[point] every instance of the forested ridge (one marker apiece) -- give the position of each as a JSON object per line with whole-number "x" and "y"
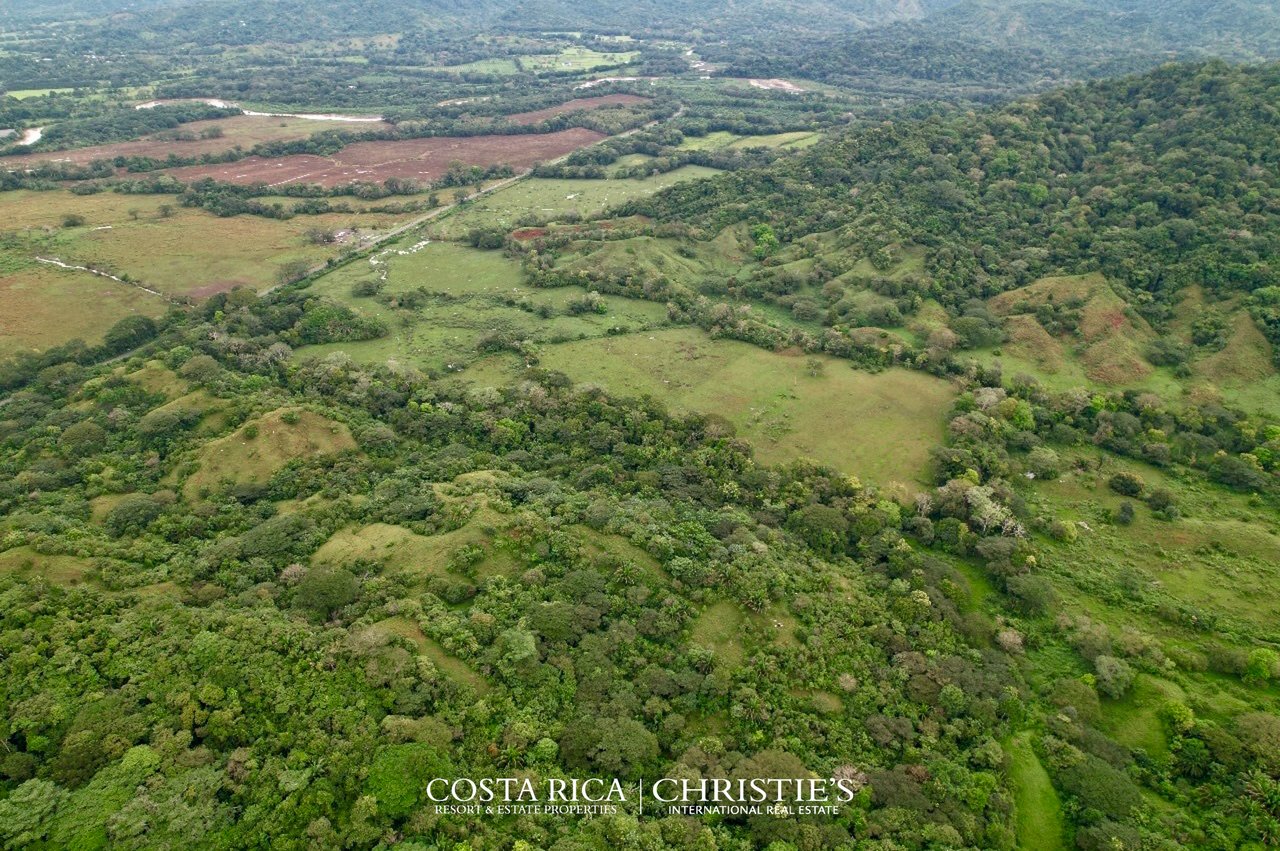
{"x": 1159, "y": 181}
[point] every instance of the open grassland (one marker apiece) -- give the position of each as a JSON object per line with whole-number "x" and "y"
{"x": 538, "y": 199}
{"x": 26, "y": 94}
{"x": 879, "y": 427}
{"x": 576, "y": 104}
{"x": 441, "y": 299}
{"x": 724, "y": 139}
{"x": 1221, "y": 557}
{"x": 568, "y": 60}
{"x": 1039, "y": 812}
{"x": 148, "y": 239}
{"x": 1109, "y": 348}
{"x": 256, "y": 450}
{"x": 43, "y": 306}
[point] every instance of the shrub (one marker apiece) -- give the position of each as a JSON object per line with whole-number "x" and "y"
{"x": 1127, "y": 484}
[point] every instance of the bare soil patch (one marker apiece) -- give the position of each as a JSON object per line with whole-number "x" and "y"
{"x": 414, "y": 159}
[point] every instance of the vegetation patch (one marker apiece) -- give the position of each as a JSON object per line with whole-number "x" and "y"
{"x": 254, "y": 452}
{"x": 876, "y": 426}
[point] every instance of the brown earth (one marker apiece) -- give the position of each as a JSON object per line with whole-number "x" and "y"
{"x": 576, "y": 104}
{"x": 414, "y": 159}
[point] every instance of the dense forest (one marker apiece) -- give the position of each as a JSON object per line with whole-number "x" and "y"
{"x": 1160, "y": 182}
{"x": 978, "y": 49}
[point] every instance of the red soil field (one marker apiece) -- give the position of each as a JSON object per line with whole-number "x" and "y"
{"x": 414, "y": 159}
{"x": 577, "y": 103}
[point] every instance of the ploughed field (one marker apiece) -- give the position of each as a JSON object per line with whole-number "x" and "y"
{"x": 414, "y": 159}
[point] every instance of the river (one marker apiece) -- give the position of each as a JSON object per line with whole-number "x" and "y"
{"x": 312, "y": 116}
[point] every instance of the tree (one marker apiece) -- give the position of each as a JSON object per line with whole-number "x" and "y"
{"x": 1114, "y": 676}
{"x": 129, "y": 333}
{"x": 292, "y": 272}
{"x": 326, "y": 589}
{"x": 399, "y": 776}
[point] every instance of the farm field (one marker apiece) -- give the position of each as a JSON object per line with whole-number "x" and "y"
{"x": 148, "y": 238}
{"x": 719, "y": 139}
{"x": 42, "y": 306}
{"x": 568, "y": 60}
{"x": 414, "y": 159}
{"x": 876, "y": 426}
{"x": 542, "y": 199}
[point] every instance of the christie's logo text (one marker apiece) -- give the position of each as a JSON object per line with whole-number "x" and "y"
{"x": 598, "y": 796}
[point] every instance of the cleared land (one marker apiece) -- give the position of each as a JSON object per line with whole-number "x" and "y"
{"x": 254, "y": 452}
{"x": 574, "y": 105}
{"x": 414, "y": 159}
{"x": 42, "y": 306}
{"x": 879, "y": 427}
{"x": 1039, "y": 815}
{"x": 175, "y": 250}
{"x": 541, "y": 200}
{"x": 440, "y": 299}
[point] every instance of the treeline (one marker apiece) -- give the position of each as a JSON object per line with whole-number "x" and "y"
{"x": 118, "y": 124}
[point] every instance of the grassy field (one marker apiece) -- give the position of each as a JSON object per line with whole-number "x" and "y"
{"x": 569, "y": 59}
{"x": 1221, "y": 557}
{"x": 543, "y": 200}
{"x": 1109, "y": 349}
{"x": 467, "y": 294}
{"x": 24, "y": 94}
{"x": 1039, "y": 812}
{"x": 719, "y": 629}
{"x": 879, "y": 427}
{"x": 254, "y": 452}
{"x": 43, "y": 306}
{"x": 724, "y": 139}
{"x": 187, "y": 252}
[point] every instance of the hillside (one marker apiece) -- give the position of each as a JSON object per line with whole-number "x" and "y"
{"x": 979, "y": 49}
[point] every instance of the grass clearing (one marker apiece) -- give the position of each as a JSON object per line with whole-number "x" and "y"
{"x": 1221, "y": 558}
{"x": 259, "y": 448}
{"x": 543, "y": 199}
{"x": 1134, "y": 720}
{"x": 147, "y": 238}
{"x": 876, "y": 426}
{"x": 719, "y": 629}
{"x": 1038, "y": 821}
{"x": 43, "y": 306}
{"x": 466, "y": 294}
{"x": 58, "y": 569}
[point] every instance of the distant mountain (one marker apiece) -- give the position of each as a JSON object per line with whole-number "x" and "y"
{"x": 237, "y": 20}
{"x": 978, "y": 47}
